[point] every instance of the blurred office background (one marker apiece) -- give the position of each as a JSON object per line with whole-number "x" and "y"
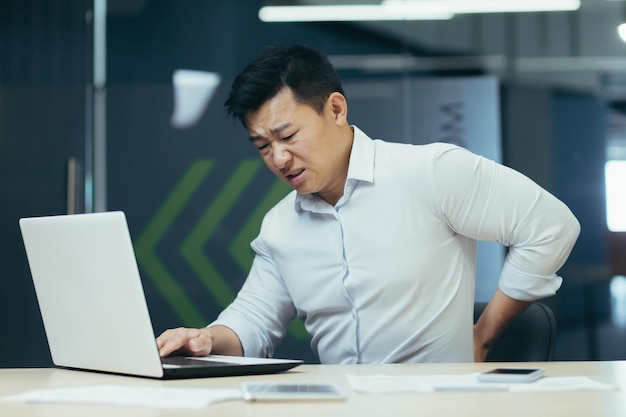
{"x": 118, "y": 105}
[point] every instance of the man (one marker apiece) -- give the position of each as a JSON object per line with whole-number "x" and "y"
{"x": 375, "y": 249}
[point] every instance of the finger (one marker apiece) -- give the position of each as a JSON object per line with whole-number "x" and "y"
{"x": 164, "y": 339}
{"x": 172, "y": 340}
{"x": 166, "y": 349}
{"x": 161, "y": 340}
{"x": 200, "y": 344}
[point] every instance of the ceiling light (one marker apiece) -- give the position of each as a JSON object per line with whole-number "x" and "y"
{"x": 339, "y": 13}
{"x": 408, "y": 10}
{"x": 621, "y": 30}
{"x": 487, "y": 6}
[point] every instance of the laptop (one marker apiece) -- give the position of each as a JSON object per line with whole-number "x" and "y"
{"x": 93, "y": 305}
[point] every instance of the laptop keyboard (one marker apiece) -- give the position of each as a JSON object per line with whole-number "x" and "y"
{"x": 179, "y": 361}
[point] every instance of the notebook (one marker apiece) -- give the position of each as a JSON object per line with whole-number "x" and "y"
{"x": 93, "y": 305}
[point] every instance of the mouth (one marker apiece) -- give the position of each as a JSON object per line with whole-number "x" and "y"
{"x": 294, "y": 176}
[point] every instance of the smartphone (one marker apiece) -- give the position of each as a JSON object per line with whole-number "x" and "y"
{"x": 274, "y": 391}
{"x": 511, "y": 375}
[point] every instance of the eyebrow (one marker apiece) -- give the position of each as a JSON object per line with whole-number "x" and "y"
{"x": 274, "y": 130}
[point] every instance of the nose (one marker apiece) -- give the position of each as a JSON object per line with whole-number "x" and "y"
{"x": 280, "y": 156}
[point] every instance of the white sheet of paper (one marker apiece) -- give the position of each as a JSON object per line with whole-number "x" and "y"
{"x": 387, "y": 384}
{"x": 160, "y": 397}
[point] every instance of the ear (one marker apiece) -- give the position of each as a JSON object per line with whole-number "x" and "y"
{"x": 338, "y": 107}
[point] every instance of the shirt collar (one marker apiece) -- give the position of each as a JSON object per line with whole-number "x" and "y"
{"x": 360, "y": 168}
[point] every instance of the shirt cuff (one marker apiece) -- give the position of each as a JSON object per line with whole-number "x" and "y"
{"x": 527, "y": 287}
{"x": 250, "y": 341}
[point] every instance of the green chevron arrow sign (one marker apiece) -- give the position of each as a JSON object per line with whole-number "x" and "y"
{"x": 202, "y": 231}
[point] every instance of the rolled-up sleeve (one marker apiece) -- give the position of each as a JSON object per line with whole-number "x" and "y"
{"x": 484, "y": 200}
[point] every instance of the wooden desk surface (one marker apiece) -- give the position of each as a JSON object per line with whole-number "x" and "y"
{"x": 484, "y": 404}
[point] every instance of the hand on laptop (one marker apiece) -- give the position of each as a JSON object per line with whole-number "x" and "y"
{"x": 199, "y": 342}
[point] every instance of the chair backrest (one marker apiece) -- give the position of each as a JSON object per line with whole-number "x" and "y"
{"x": 530, "y": 337}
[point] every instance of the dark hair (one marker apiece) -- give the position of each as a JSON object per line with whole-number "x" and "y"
{"x": 308, "y": 73}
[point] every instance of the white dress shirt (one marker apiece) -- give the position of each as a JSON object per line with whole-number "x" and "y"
{"x": 388, "y": 273}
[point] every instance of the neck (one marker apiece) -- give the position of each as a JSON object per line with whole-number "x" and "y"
{"x": 347, "y": 139}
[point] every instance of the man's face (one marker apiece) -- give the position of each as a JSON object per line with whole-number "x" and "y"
{"x": 307, "y": 150}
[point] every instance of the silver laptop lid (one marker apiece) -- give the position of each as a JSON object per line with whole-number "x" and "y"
{"x": 90, "y": 294}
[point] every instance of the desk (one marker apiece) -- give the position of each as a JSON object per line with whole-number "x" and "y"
{"x": 553, "y": 404}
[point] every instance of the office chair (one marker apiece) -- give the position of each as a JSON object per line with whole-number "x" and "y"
{"x": 530, "y": 337}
